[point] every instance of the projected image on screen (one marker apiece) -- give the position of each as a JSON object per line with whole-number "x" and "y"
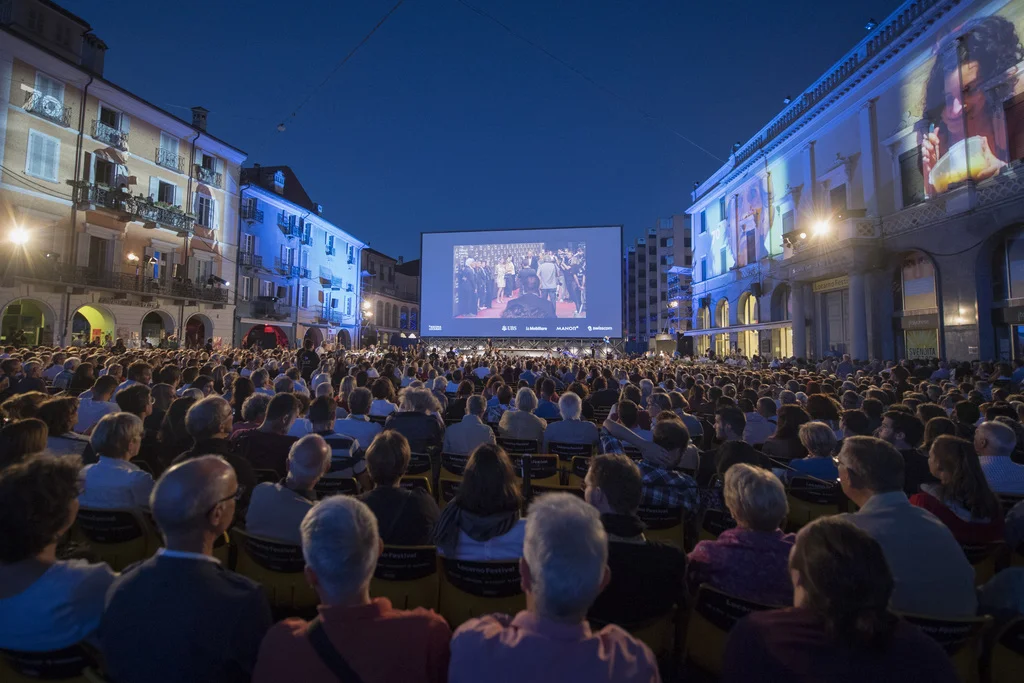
{"x": 520, "y": 281}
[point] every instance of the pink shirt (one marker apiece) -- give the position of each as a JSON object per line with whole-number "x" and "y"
{"x": 499, "y": 648}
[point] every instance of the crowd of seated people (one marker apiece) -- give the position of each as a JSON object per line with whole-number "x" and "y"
{"x": 928, "y": 465}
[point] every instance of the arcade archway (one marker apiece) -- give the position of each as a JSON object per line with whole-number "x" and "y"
{"x": 26, "y": 322}
{"x": 344, "y": 339}
{"x": 315, "y": 335}
{"x": 198, "y": 328}
{"x": 92, "y": 324}
{"x": 265, "y": 337}
{"x": 156, "y": 327}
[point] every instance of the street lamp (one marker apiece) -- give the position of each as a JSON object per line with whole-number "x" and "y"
{"x": 19, "y": 236}
{"x": 821, "y": 227}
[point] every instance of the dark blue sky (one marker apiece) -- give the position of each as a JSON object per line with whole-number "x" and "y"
{"x": 443, "y": 121}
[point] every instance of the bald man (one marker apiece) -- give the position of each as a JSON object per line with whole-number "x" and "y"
{"x": 180, "y": 616}
{"x": 276, "y": 509}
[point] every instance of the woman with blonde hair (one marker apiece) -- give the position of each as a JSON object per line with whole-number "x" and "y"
{"x": 820, "y": 441}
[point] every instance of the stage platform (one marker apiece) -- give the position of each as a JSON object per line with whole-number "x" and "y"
{"x": 528, "y": 347}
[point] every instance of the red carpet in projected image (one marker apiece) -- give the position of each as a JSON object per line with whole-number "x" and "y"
{"x": 563, "y": 309}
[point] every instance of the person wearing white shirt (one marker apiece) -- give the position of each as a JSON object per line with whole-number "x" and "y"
{"x": 357, "y": 425}
{"x": 761, "y": 424}
{"x": 383, "y": 391}
{"x": 50, "y": 373}
{"x": 114, "y": 482}
{"x": 90, "y": 410}
{"x": 994, "y": 442}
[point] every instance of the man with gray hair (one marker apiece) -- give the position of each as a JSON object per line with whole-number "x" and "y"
{"x": 276, "y": 510}
{"x": 571, "y": 428}
{"x": 341, "y": 544}
{"x": 208, "y": 422}
{"x": 564, "y": 568}
{"x": 260, "y": 378}
{"x": 994, "y": 443}
{"x": 465, "y": 436}
{"x": 180, "y": 616}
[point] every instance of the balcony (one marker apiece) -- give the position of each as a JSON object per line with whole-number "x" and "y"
{"x": 138, "y": 208}
{"x": 207, "y": 176}
{"x": 336, "y": 283}
{"x": 331, "y": 250}
{"x": 329, "y": 316}
{"x": 103, "y": 278}
{"x": 325, "y": 276}
{"x": 284, "y": 268}
{"x": 109, "y": 135}
{"x": 305, "y": 273}
{"x": 306, "y": 239}
{"x": 48, "y": 107}
{"x": 251, "y": 213}
{"x": 169, "y": 158}
{"x": 266, "y": 308}
{"x": 287, "y": 224}
{"x": 247, "y": 260}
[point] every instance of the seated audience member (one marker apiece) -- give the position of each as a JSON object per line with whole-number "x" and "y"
{"x": 470, "y": 432}
{"x": 45, "y": 603}
{"x": 341, "y": 545}
{"x": 571, "y": 428}
{"x": 173, "y": 439}
{"x": 504, "y": 396}
{"x": 254, "y": 410}
{"x": 114, "y": 482}
{"x": 22, "y": 406}
{"x": 994, "y": 442}
{"x": 962, "y": 499}
{"x": 163, "y": 396}
{"x": 840, "y": 627}
{"x": 1003, "y": 595}
{"x": 904, "y": 432}
{"x": 266, "y": 447}
{"x": 180, "y": 616}
{"x": 628, "y": 415}
{"x": 933, "y": 429}
{"x": 383, "y": 398}
{"x": 61, "y": 415}
{"x": 242, "y": 389}
{"x": 457, "y": 405}
{"x": 138, "y": 373}
{"x": 761, "y": 425}
{"x": 932, "y": 574}
{"x": 418, "y": 419}
{"x": 854, "y": 422}
{"x": 346, "y": 452}
{"x": 136, "y": 399}
{"x": 663, "y": 485}
{"x": 357, "y": 424}
{"x": 302, "y": 425}
{"x": 647, "y": 577}
{"x": 276, "y": 510}
{"x": 482, "y": 522}
{"x": 521, "y": 423}
{"x": 785, "y": 444}
{"x": 819, "y": 440}
{"x": 546, "y": 408}
{"x": 748, "y": 561}
{"x": 564, "y": 568}
{"x": 209, "y": 424}
{"x": 90, "y": 410}
{"x": 22, "y": 439}
{"x": 404, "y": 516}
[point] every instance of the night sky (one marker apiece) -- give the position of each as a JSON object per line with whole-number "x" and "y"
{"x": 444, "y": 121}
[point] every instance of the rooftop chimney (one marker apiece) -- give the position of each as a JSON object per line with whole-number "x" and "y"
{"x": 199, "y": 118}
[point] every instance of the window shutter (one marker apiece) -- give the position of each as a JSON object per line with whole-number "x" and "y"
{"x": 215, "y": 219}
{"x": 154, "y": 187}
{"x": 87, "y": 167}
{"x": 126, "y": 124}
{"x": 177, "y": 196}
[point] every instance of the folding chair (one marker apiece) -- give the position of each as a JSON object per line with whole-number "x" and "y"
{"x": 811, "y": 498}
{"x": 519, "y": 446}
{"x": 1006, "y": 664}
{"x": 450, "y": 477}
{"x": 567, "y": 451}
{"x": 714, "y": 522}
{"x": 407, "y": 576}
{"x": 578, "y": 469}
{"x": 470, "y": 589}
{"x": 551, "y": 420}
{"x": 600, "y": 415}
{"x": 960, "y": 638}
{"x": 378, "y": 419}
{"x": 278, "y": 567}
{"x": 416, "y": 482}
{"x": 663, "y": 523}
{"x": 419, "y": 463}
{"x": 68, "y": 664}
{"x": 984, "y": 557}
{"x": 333, "y": 486}
{"x": 713, "y": 615}
{"x": 118, "y": 537}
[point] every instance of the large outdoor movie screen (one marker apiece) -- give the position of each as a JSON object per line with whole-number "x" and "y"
{"x": 550, "y": 282}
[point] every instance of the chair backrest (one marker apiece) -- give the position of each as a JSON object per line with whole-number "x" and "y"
{"x": 633, "y": 452}
{"x": 379, "y": 419}
{"x": 419, "y": 463}
{"x": 519, "y": 446}
{"x": 416, "y": 482}
{"x": 454, "y": 463}
{"x": 960, "y": 639}
{"x": 601, "y": 414}
{"x": 344, "y": 462}
{"x": 664, "y": 523}
{"x": 1007, "y": 661}
{"x": 407, "y": 576}
{"x": 713, "y": 616}
{"x": 333, "y": 486}
{"x": 267, "y": 476}
{"x": 714, "y": 522}
{"x": 1008, "y": 500}
{"x": 66, "y": 665}
{"x": 984, "y": 558}
{"x": 811, "y": 498}
{"x": 567, "y": 451}
{"x": 118, "y": 537}
{"x": 470, "y": 589}
{"x": 449, "y": 421}
{"x": 278, "y": 567}
{"x": 540, "y": 466}
{"x": 450, "y": 477}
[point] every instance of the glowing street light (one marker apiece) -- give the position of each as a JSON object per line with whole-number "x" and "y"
{"x": 821, "y": 227}
{"x": 803, "y": 235}
{"x": 132, "y": 256}
{"x": 366, "y": 305}
{"x": 673, "y": 304}
{"x": 19, "y": 236}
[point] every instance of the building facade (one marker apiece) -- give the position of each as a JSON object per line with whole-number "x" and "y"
{"x": 298, "y": 273}
{"x": 656, "y": 283}
{"x": 116, "y": 217}
{"x": 881, "y": 212}
{"x": 391, "y": 297}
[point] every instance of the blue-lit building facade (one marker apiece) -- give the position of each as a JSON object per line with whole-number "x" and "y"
{"x": 298, "y": 273}
{"x": 881, "y": 212}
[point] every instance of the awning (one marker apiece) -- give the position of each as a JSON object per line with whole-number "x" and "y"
{"x": 199, "y": 244}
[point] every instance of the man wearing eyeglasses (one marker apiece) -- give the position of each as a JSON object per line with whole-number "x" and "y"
{"x": 180, "y": 615}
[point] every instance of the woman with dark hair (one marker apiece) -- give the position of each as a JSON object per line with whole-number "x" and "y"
{"x": 823, "y": 408}
{"x": 457, "y": 406}
{"x": 840, "y": 627}
{"x": 83, "y": 378}
{"x": 172, "y": 438}
{"x": 60, "y": 415}
{"x": 962, "y": 499}
{"x": 22, "y": 439}
{"x": 785, "y": 443}
{"x": 934, "y": 428}
{"x": 383, "y": 397}
{"x": 242, "y": 389}
{"x": 46, "y": 604}
{"x": 482, "y": 522}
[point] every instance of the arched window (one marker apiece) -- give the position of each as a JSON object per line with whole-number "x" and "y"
{"x": 722, "y": 314}
{"x": 748, "y": 309}
{"x": 403, "y": 321}
{"x": 381, "y": 320}
{"x": 414, "y": 319}
{"x": 704, "y": 318}
{"x": 394, "y": 316}
{"x": 780, "y": 303}
{"x": 387, "y": 315}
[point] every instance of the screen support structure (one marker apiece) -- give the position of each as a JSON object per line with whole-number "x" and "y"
{"x": 525, "y": 344}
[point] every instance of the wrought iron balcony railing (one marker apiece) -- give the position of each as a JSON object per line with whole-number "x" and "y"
{"x": 330, "y": 316}
{"x": 305, "y": 274}
{"x": 135, "y": 208}
{"x": 169, "y": 158}
{"x": 286, "y": 269}
{"x": 127, "y": 281}
{"x": 109, "y": 135}
{"x": 306, "y": 239}
{"x": 251, "y": 213}
{"x": 266, "y": 308}
{"x": 331, "y": 250}
{"x": 247, "y": 260}
{"x": 48, "y": 107}
{"x": 208, "y": 176}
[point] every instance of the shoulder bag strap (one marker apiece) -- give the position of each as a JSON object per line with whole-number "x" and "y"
{"x": 328, "y": 654}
